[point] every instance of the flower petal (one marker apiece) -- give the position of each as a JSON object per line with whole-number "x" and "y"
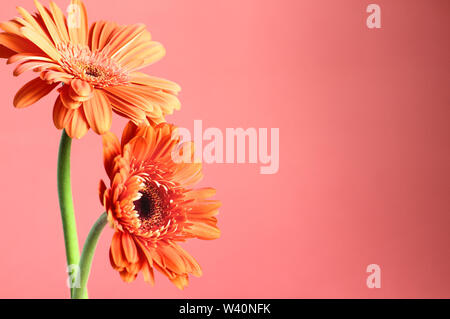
{"x": 77, "y": 126}
{"x": 125, "y": 107}
{"x": 143, "y": 56}
{"x": 154, "y": 82}
{"x": 129, "y": 248}
{"x": 60, "y": 21}
{"x": 111, "y": 148}
{"x": 67, "y": 99}
{"x": 17, "y": 43}
{"x": 43, "y": 42}
{"x": 204, "y": 231}
{"x": 6, "y": 53}
{"x": 101, "y": 191}
{"x": 32, "y": 92}
{"x": 77, "y": 22}
{"x": 61, "y": 114}
{"x": 98, "y": 112}
{"x": 116, "y": 251}
{"x": 81, "y": 90}
{"x": 48, "y": 21}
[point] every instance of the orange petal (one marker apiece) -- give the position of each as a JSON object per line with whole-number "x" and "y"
{"x": 17, "y": 43}
{"x": 151, "y": 53}
{"x": 128, "y": 133}
{"x": 204, "y": 231}
{"x": 49, "y": 23}
{"x": 51, "y": 76}
{"x": 127, "y": 276}
{"x": 129, "y": 248}
{"x": 32, "y": 92}
{"x": 98, "y": 112}
{"x": 101, "y": 191}
{"x": 61, "y": 114}
{"x": 147, "y": 272}
{"x": 34, "y": 23}
{"x": 78, "y": 125}
{"x": 131, "y": 94}
{"x": 43, "y": 42}
{"x": 94, "y": 34}
{"x": 172, "y": 259}
{"x": 67, "y": 99}
{"x": 28, "y": 56}
{"x": 81, "y": 90}
{"x": 154, "y": 82}
{"x": 111, "y": 148}
{"x": 201, "y": 193}
{"x": 6, "y": 53}
{"x": 60, "y": 21}
{"x": 101, "y": 33}
{"x": 33, "y": 65}
{"x": 126, "y": 108}
{"x": 125, "y": 38}
{"x": 190, "y": 262}
{"x": 180, "y": 281}
{"x": 116, "y": 250}
{"x": 11, "y": 26}
{"x": 77, "y": 22}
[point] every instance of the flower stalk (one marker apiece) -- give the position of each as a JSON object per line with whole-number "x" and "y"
{"x": 87, "y": 255}
{"x": 66, "y": 201}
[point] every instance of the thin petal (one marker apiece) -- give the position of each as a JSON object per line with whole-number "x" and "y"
{"x": 81, "y": 90}
{"x": 67, "y": 99}
{"x": 147, "y": 272}
{"x": 32, "y": 92}
{"x": 98, "y": 112}
{"x": 111, "y": 148}
{"x": 6, "y": 53}
{"x": 17, "y": 43}
{"x": 78, "y": 125}
{"x": 61, "y": 114}
{"x": 125, "y": 107}
{"x": 77, "y": 22}
{"x": 129, "y": 248}
{"x": 42, "y": 42}
{"x": 33, "y": 65}
{"x": 101, "y": 191}
{"x": 204, "y": 231}
{"x": 51, "y": 76}
{"x": 49, "y": 23}
{"x": 172, "y": 259}
{"x": 154, "y": 82}
{"x": 147, "y": 55}
{"x": 116, "y": 250}
{"x": 60, "y": 21}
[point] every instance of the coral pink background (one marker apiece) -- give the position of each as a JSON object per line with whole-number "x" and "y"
{"x": 364, "y": 152}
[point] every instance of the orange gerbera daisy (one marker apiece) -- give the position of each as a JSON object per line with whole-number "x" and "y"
{"x": 98, "y": 67}
{"x": 151, "y": 205}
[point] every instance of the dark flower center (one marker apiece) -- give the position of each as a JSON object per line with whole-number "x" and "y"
{"x": 150, "y": 208}
{"x": 93, "y": 71}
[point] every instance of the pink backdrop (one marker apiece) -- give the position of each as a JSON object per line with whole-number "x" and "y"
{"x": 364, "y": 152}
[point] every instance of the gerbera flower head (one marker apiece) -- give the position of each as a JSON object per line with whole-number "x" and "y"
{"x": 95, "y": 69}
{"x": 151, "y": 203}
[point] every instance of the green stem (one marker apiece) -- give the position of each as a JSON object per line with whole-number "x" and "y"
{"x": 87, "y": 255}
{"x": 66, "y": 202}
